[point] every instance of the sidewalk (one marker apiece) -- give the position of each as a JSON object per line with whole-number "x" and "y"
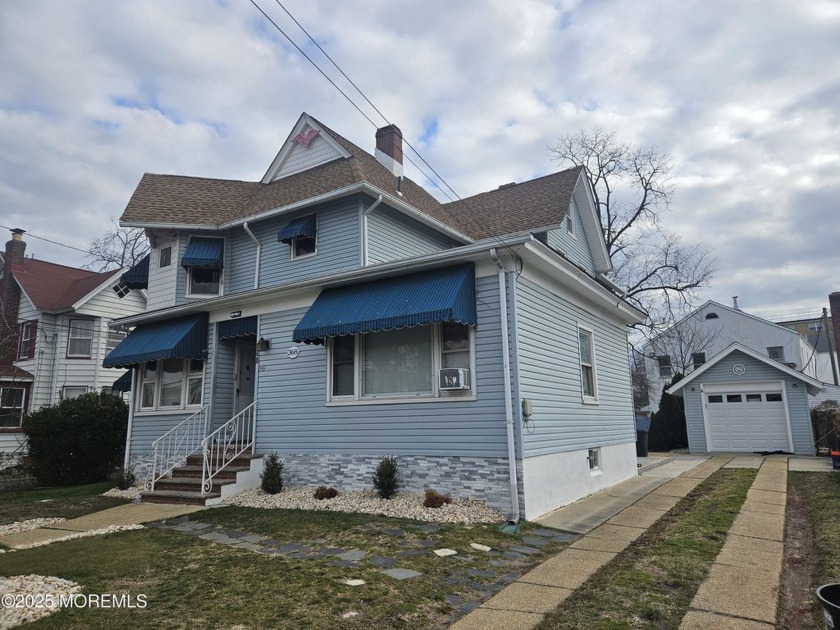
{"x": 122, "y": 515}
{"x": 610, "y": 520}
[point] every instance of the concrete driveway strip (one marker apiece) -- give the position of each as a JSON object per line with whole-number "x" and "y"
{"x": 129, "y": 514}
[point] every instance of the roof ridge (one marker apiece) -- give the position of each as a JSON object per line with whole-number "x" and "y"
{"x": 211, "y": 179}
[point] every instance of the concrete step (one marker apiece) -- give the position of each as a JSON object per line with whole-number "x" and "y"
{"x": 229, "y": 472}
{"x": 190, "y": 484}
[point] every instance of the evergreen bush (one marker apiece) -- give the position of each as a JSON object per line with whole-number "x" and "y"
{"x": 386, "y": 478}
{"x": 667, "y": 426}
{"x": 78, "y": 440}
{"x": 272, "y": 474}
{"x": 125, "y": 478}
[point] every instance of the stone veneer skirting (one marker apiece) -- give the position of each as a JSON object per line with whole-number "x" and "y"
{"x": 483, "y": 478}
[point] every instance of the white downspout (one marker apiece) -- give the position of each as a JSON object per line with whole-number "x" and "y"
{"x": 365, "y": 215}
{"x": 131, "y": 398}
{"x": 514, "y": 485}
{"x": 259, "y": 248}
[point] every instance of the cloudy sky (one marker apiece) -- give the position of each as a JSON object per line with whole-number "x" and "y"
{"x": 745, "y": 96}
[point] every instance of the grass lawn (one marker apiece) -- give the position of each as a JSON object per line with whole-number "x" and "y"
{"x": 193, "y": 583}
{"x": 652, "y": 583}
{"x": 820, "y": 494}
{"x": 67, "y": 502}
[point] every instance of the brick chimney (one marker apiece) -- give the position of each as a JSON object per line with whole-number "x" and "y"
{"x": 834, "y": 304}
{"x": 10, "y": 297}
{"x": 389, "y": 149}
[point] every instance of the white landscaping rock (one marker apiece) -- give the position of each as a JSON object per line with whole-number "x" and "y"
{"x": 479, "y": 547}
{"x": 402, "y": 505}
{"x": 354, "y": 582}
{"x": 37, "y": 585}
{"x": 25, "y": 526}
{"x": 445, "y": 552}
{"x": 129, "y": 493}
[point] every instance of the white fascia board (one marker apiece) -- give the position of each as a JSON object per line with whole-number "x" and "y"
{"x": 465, "y": 253}
{"x": 573, "y": 276}
{"x": 814, "y": 386}
{"x": 592, "y": 227}
{"x": 28, "y": 299}
{"x": 107, "y": 283}
{"x": 168, "y": 226}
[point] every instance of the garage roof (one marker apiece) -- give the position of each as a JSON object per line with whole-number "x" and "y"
{"x": 813, "y": 385}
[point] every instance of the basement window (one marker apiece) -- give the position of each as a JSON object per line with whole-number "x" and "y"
{"x": 594, "y": 458}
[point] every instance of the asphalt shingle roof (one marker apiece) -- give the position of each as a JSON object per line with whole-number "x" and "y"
{"x": 55, "y": 287}
{"x": 181, "y": 200}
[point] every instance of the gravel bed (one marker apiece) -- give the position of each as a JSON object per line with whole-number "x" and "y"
{"x": 25, "y": 526}
{"x": 111, "y": 529}
{"x": 129, "y": 493}
{"x": 36, "y": 585}
{"x": 402, "y": 505}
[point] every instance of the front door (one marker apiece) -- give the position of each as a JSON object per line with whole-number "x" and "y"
{"x": 246, "y": 354}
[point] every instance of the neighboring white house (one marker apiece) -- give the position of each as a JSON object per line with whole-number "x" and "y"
{"x": 54, "y": 333}
{"x": 710, "y": 329}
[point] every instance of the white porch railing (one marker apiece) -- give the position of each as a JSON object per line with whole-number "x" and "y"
{"x": 227, "y": 443}
{"x": 176, "y": 445}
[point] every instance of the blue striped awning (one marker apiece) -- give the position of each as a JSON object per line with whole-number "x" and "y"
{"x": 182, "y": 338}
{"x": 138, "y": 276}
{"x": 304, "y": 226}
{"x": 204, "y": 252}
{"x": 237, "y": 328}
{"x": 439, "y": 295}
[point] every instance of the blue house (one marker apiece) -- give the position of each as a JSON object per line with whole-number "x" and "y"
{"x": 335, "y": 312}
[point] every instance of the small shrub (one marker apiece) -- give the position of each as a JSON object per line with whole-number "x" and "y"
{"x": 272, "y": 474}
{"x": 322, "y": 492}
{"x": 436, "y": 499}
{"x": 125, "y": 478}
{"x": 386, "y": 478}
{"x": 79, "y": 440}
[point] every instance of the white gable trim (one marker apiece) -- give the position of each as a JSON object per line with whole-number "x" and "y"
{"x": 288, "y": 146}
{"x": 114, "y": 279}
{"x": 591, "y": 224}
{"x": 814, "y": 386}
{"x": 28, "y": 299}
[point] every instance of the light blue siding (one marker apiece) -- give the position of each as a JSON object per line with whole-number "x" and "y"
{"x": 392, "y": 236}
{"x": 293, "y": 416}
{"x": 575, "y": 247}
{"x": 756, "y": 371}
{"x": 550, "y": 375}
{"x": 147, "y": 428}
{"x": 223, "y": 383}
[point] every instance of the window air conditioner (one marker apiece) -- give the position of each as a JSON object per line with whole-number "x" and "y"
{"x": 453, "y": 378}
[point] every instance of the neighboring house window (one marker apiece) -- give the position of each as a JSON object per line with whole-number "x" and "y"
{"x": 11, "y": 406}
{"x": 399, "y": 363}
{"x": 777, "y": 353}
{"x": 586, "y": 350}
{"x": 27, "y": 335}
{"x": 171, "y": 384}
{"x": 698, "y": 359}
{"x": 114, "y": 339}
{"x": 73, "y": 391}
{"x": 80, "y": 339}
{"x": 815, "y": 326}
{"x": 165, "y": 257}
{"x": 121, "y": 290}
{"x": 594, "y": 458}
{"x": 711, "y": 316}
{"x": 570, "y": 217}
{"x": 665, "y": 370}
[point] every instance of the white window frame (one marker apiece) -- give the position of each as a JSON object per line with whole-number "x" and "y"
{"x": 571, "y": 219}
{"x": 293, "y": 255}
{"x": 594, "y": 458}
{"x": 121, "y": 290}
{"x": 592, "y": 365}
{"x": 156, "y": 380}
{"x": 770, "y": 354}
{"x": 25, "y": 336}
{"x": 815, "y": 326}
{"x": 694, "y": 362}
{"x": 203, "y": 296}
{"x": 83, "y": 389}
{"x": 70, "y": 339}
{"x": 670, "y": 366}
{"x": 165, "y": 262}
{"x": 22, "y": 407}
{"x": 112, "y": 336}
{"x": 436, "y": 395}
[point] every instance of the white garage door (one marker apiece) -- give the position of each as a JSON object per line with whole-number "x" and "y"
{"x": 747, "y": 421}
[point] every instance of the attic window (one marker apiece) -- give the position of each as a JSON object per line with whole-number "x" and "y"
{"x": 121, "y": 290}
{"x": 711, "y": 315}
{"x": 570, "y": 217}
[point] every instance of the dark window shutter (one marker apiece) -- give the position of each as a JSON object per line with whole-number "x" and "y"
{"x": 33, "y": 337}
{"x": 17, "y": 341}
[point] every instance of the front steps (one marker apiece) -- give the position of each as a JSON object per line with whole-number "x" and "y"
{"x": 184, "y": 486}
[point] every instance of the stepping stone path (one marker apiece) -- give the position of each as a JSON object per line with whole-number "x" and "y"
{"x": 462, "y": 579}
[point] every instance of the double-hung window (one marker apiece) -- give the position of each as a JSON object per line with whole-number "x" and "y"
{"x": 397, "y": 364}
{"x": 698, "y": 359}
{"x": 80, "y": 339}
{"x": 171, "y": 384}
{"x": 114, "y": 339}
{"x": 665, "y": 369}
{"x": 27, "y": 334}
{"x": 586, "y": 350}
{"x": 204, "y": 262}
{"x": 11, "y": 406}
{"x": 570, "y": 217}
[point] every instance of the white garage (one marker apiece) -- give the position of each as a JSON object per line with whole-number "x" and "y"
{"x": 741, "y": 401}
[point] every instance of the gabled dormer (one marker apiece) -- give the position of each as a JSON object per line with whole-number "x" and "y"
{"x": 307, "y": 146}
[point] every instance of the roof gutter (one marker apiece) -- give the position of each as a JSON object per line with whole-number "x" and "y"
{"x": 259, "y": 249}
{"x": 514, "y": 481}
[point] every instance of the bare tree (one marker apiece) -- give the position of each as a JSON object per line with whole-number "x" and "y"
{"x": 118, "y": 247}
{"x": 682, "y": 342}
{"x": 633, "y": 187}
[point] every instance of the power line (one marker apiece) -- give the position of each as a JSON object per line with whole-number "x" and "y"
{"x": 476, "y": 215}
{"x": 41, "y": 238}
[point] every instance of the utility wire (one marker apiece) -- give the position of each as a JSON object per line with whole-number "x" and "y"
{"x": 41, "y": 238}
{"x": 476, "y": 216}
